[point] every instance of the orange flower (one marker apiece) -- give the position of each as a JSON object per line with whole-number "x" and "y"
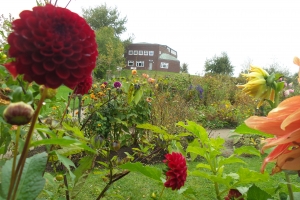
{"x": 134, "y": 72}
{"x": 145, "y": 75}
{"x": 297, "y": 62}
{"x": 151, "y": 80}
{"x": 284, "y": 123}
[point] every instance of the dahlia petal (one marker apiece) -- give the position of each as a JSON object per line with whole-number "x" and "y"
{"x": 29, "y": 47}
{"x": 62, "y": 72}
{"x": 58, "y": 59}
{"x": 37, "y": 57}
{"x": 31, "y": 22}
{"x": 49, "y": 65}
{"x": 296, "y": 61}
{"x": 290, "y": 160}
{"x": 11, "y": 68}
{"x": 75, "y": 57}
{"x": 25, "y": 59}
{"x": 292, "y": 120}
{"x": 52, "y": 81}
{"x": 38, "y": 69}
{"x": 18, "y": 44}
{"x": 285, "y": 139}
{"x": 67, "y": 52}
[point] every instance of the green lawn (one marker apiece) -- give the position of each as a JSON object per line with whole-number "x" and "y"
{"x": 135, "y": 186}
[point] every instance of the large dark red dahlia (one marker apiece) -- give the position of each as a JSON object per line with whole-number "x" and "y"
{"x": 84, "y": 86}
{"x": 177, "y": 170}
{"x": 53, "y": 46}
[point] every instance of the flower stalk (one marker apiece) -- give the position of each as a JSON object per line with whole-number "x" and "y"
{"x": 17, "y": 173}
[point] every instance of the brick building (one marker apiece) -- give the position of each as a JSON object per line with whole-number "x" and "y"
{"x": 146, "y": 56}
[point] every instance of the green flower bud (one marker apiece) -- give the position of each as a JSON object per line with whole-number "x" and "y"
{"x": 18, "y": 113}
{"x": 50, "y": 92}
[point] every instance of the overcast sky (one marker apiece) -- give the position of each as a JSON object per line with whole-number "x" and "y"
{"x": 261, "y": 31}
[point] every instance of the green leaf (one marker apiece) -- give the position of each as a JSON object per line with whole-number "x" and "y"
{"x": 130, "y": 94}
{"x": 32, "y": 181}
{"x": 250, "y": 176}
{"x": 196, "y": 150}
{"x": 66, "y": 141}
{"x": 244, "y": 129}
{"x": 202, "y": 165}
{"x": 77, "y": 132}
{"x": 280, "y": 86}
{"x": 255, "y": 193}
{"x": 67, "y": 163}
{"x": 137, "y": 96}
{"x": 150, "y": 172}
{"x": 196, "y": 129}
{"x": 247, "y": 150}
{"x": 230, "y": 160}
{"x": 84, "y": 164}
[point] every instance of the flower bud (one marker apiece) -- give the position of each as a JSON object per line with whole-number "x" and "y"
{"x": 50, "y": 92}
{"x": 116, "y": 145}
{"x": 97, "y": 141}
{"x": 18, "y": 113}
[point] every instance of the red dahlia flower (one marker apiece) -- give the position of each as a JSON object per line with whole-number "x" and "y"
{"x": 84, "y": 86}
{"x": 177, "y": 170}
{"x": 52, "y": 46}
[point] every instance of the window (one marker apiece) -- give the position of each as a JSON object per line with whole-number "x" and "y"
{"x": 135, "y": 52}
{"x": 130, "y": 52}
{"x": 151, "y": 53}
{"x": 130, "y": 63}
{"x": 164, "y": 65}
{"x": 146, "y": 53}
{"x": 140, "y": 52}
{"x": 140, "y": 63}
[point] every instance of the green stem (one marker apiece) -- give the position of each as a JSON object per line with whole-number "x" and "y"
{"x": 289, "y": 186}
{"x": 217, "y": 190}
{"x": 276, "y": 99}
{"x": 18, "y": 172}
{"x": 162, "y": 191}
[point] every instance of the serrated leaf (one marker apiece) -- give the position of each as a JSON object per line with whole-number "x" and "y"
{"x": 66, "y": 141}
{"x": 150, "y": 172}
{"x": 77, "y": 132}
{"x": 67, "y": 163}
{"x": 196, "y": 129}
{"x": 250, "y": 176}
{"x": 244, "y": 129}
{"x": 71, "y": 150}
{"x": 247, "y": 150}
{"x": 255, "y": 193}
{"x": 230, "y": 160}
{"x": 202, "y": 165}
{"x": 196, "y": 150}
{"x": 32, "y": 181}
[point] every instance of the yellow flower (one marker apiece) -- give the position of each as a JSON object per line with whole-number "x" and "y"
{"x": 99, "y": 125}
{"x": 257, "y": 85}
{"x": 103, "y": 86}
{"x": 134, "y": 72}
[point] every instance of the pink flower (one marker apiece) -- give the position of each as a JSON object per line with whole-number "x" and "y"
{"x": 177, "y": 170}
{"x": 52, "y": 46}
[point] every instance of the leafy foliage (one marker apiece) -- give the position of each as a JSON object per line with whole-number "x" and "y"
{"x": 219, "y": 65}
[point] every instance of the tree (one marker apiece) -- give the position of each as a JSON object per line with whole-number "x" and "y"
{"x": 184, "y": 68}
{"x": 219, "y": 65}
{"x": 103, "y": 16}
{"x": 111, "y": 50}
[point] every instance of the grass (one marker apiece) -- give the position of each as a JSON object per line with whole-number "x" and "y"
{"x": 135, "y": 186}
